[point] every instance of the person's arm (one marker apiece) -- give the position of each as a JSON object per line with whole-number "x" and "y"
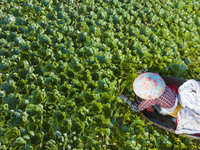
{"x": 133, "y": 105}
{"x": 146, "y": 103}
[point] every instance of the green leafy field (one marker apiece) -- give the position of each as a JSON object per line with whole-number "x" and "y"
{"x": 65, "y": 62}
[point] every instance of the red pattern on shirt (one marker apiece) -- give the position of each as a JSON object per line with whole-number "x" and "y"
{"x": 166, "y": 100}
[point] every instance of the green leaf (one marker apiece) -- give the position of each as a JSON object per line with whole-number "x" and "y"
{"x": 59, "y": 116}
{"x": 12, "y": 100}
{"x": 96, "y": 107}
{"x": 44, "y": 39}
{"x": 19, "y": 141}
{"x": 78, "y": 126}
{"x": 76, "y": 65}
{"x": 4, "y": 67}
{"x": 51, "y": 144}
{"x": 89, "y": 96}
{"x": 37, "y": 96}
{"x": 12, "y": 133}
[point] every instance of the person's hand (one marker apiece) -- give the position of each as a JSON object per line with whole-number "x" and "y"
{"x": 123, "y": 97}
{"x": 134, "y": 107}
{"x": 157, "y": 107}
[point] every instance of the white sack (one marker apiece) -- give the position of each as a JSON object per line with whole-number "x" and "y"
{"x": 188, "y": 119}
{"x": 188, "y": 122}
{"x": 189, "y": 95}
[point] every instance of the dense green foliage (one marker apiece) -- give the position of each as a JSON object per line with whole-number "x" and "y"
{"x": 65, "y": 62}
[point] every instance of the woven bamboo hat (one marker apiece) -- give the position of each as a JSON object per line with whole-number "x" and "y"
{"x": 149, "y": 86}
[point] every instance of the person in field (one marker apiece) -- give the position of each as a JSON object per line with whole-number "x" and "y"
{"x": 151, "y": 90}
{"x": 182, "y": 103}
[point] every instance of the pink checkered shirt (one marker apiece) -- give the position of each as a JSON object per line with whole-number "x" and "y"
{"x": 166, "y": 100}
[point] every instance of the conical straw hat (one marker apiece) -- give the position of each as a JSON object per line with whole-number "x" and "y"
{"x": 149, "y": 86}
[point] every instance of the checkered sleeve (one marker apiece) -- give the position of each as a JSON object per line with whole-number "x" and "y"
{"x": 146, "y": 103}
{"x": 167, "y": 100}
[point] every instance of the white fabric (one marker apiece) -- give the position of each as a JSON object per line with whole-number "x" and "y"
{"x": 188, "y": 119}
{"x": 188, "y": 122}
{"x": 189, "y": 95}
{"x": 166, "y": 111}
